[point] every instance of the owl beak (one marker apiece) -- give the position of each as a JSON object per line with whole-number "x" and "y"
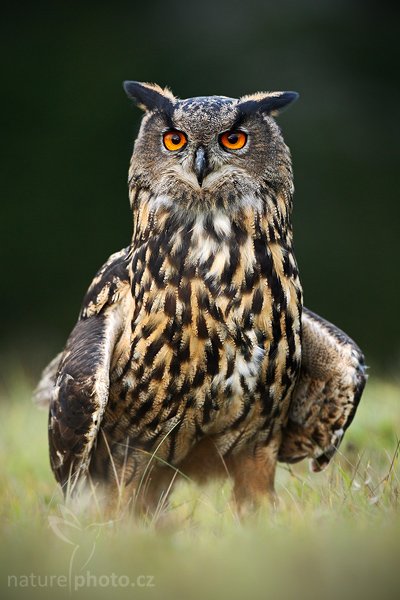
{"x": 200, "y": 164}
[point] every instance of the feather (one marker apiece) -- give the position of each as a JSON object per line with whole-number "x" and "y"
{"x": 79, "y": 395}
{"x": 326, "y": 396}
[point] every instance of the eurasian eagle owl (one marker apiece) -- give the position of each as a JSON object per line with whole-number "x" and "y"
{"x": 192, "y": 351}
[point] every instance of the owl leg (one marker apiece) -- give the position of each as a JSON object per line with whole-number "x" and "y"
{"x": 253, "y": 472}
{"x": 204, "y": 462}
{"x": 152, "y": 498}
{"x": 125, "y": 474}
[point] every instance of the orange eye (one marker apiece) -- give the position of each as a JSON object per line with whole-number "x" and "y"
{"x": 174, "y": 140}
{"x": 233, "y": 140}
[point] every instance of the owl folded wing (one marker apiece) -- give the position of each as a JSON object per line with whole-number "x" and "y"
{"x": 327, "y": 394}
{"x": 75, "y": 384}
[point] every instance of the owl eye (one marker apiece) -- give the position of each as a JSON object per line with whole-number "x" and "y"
{"x": 174, "y": 140}
{"x": 233, "y": 140}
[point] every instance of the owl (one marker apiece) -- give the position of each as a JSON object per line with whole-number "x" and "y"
{"x": 193, "y": 355}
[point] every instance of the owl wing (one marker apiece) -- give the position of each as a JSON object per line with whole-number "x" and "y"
{"x": 326, "y": 396}
{"x": 76, "y": 382}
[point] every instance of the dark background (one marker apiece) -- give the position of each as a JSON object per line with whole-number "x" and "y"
{"x": 68, "y": 131}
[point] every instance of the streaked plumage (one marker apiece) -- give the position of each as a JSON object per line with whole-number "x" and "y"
{"x": 191, "y": 347}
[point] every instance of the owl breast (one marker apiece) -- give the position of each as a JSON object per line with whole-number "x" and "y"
{"x": 213, "y": 345}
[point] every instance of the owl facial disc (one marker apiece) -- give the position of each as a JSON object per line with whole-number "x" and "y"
{"x": 205, "y": 152}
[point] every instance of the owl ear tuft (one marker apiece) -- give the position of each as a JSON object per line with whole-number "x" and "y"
{"x": 149, "y": 96}
{"x": 271, "y": 103}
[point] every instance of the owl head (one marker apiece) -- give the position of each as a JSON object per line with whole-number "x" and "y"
{"x": 209, "y": 151}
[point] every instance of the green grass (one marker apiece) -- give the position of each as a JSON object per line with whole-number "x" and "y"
{"x": 335, "y": 534}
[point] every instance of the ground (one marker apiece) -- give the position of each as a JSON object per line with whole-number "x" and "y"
{"x": 334, "y": 535}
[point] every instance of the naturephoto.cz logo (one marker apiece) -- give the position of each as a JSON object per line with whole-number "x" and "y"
{"x": 82, "y": 539}
{"x": 78, "y": 581}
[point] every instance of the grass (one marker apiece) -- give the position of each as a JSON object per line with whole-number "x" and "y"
{"x": 334, "y": 535}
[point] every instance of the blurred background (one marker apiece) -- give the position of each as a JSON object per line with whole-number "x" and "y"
{"x": 68, "y": 130}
